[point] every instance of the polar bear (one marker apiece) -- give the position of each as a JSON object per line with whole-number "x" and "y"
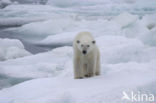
{"x": 86, "y": 56}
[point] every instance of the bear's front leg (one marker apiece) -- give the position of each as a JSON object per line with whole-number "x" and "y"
{"x": 91, "y": 67}
{"x": 78, "y": 69}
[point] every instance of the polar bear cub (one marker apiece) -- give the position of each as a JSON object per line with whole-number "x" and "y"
{"x": 86, "y": 56}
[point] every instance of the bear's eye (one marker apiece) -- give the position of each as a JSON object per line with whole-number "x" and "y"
{"x": 78, "y": 41}
{"x": 81, "y": 45}
{"x": 87, "y": 45}
{"x": 93, "y": 42}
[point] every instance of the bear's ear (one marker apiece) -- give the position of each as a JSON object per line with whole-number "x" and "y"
{"x": 93, "y": 42}
{"x": 78, "y": 41}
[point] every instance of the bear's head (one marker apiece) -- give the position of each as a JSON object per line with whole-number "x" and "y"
{"x": 85, "y": 46}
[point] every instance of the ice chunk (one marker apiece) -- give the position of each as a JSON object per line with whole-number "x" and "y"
{"x": 114, "y": 49}
{"x": 136, "y": 30}
{"x": 132, "y": 77}
{"x": 40, "y": 65}
{"x": 149, "y": 38}
{"x": 2, "y": 53}
{"x": 96, "y": 27}
{"x": 149, "y": 21}
{"x": 49, "y": 27}
{"x": 5, "y": 43}
{"x": 4, "y": 3}
{"x": 59, "y": 39}
{"x": 125, "y": 19}
{"x": 11, "y": 49}
{"x": 17, "y": 15}
{"x": 15, "y": 52}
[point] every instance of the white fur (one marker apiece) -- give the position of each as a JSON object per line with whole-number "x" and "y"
{"x": 85, "y": 65}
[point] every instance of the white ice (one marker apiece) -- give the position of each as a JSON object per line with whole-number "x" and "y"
{"x": 120, "y": 72}
{"x": 13, "y": 15}
{"x": 40, "y": 65}
{"x": 90, "y": 8}
{"x": 4, "y": 3}
{"x": 11, "y": 49}
{"x": 127, "y": 45}
{"x": 106, "y": 88}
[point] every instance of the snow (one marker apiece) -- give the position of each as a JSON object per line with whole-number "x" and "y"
{"x": 58, "y": 90}
{"x": 114, "y": 49}
{"x": 39, "y": 65}
{"x": 11, "y": 49}
{"x": 56, "y": 32}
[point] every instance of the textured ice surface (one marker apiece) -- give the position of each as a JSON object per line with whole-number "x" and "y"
{"x": 11, "y": 49}
{"x": 52, "y": 32}
{"x": 105, "y": 88}
{"x": 105, "y": 7}
{"x": 40, "y": 65}
{"x": 4, "y": 3}
{"x": 13, "y": 15}
{"x": 125, "y": 19}
{"x": 89, "y": 8}
{"x": 126, "y": 43}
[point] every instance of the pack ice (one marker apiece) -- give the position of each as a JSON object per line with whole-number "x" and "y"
{"x": 128, "y": 61}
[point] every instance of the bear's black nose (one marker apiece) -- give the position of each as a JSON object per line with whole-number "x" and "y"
{"x": 84, "y": 52}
